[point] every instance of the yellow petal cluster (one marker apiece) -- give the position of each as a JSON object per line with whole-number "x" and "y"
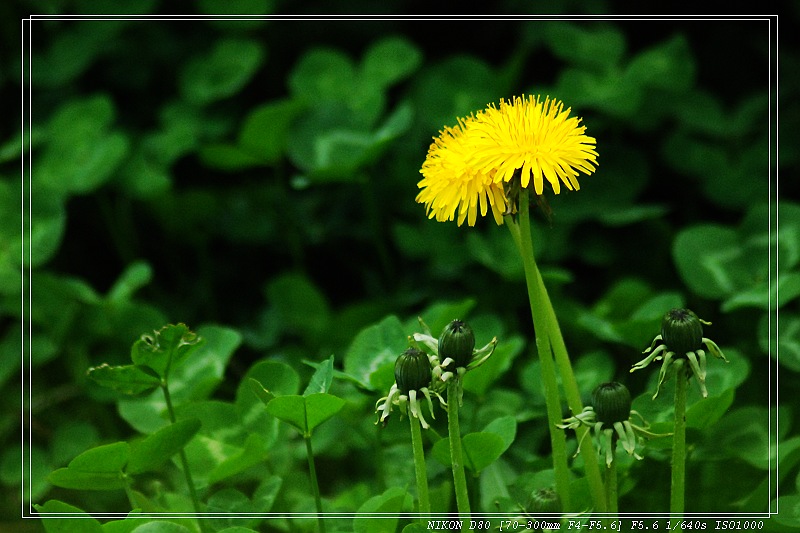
{"x": 468, "y": 164}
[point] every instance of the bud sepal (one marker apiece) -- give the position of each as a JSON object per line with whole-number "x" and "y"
{"x": 413, "y": 375}
{"x": 681, "y": 338}
{"x": 610, "y": 419}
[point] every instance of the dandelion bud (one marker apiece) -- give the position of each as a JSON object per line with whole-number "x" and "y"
{"x": 545, "y": 501}
{"x": 412, "y": 370}
{"x": 611, "y": 403}
{"x": 457, "y": 343}
{"x": 682, "y": 331}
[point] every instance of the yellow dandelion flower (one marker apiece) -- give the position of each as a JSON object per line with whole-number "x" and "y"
{"x": 451, "y": 184}
{"x": 468, "y": 165}
{"x": 538, "y": 138}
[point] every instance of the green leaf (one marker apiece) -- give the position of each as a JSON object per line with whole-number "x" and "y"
{"x": 390, "y": 60}
{"x": 292, "y": 410}
{"x": 156, "y": 449}
{"x": 45, "y": 220}
{"x": 300, "y": 305}
{"x": 592, "y": 46}
{"x": 787, "y": 509}
{"x": 374, "y": 350}
{"x": 495, "y": 253}
{"x": 710, "y": 260}
{"x": 481, "y": 379}
{"x": 782, "y": 341}
{"x": 99, "y": 468}
{"x": 668, "y": 66}
{"x": 161, "y": 526}
{"x": 592, "y": 369}
{"x": 766, "y": 227}
{"x": 264, "y": 381}
{"x": 320, "y": 407}
{"x": 706, "y": 412}
{"x": 78, "y": 520}
{"x": 305, "y": 412}
{"x": 265, "y": 129}
{"x": 387, "y": 505}
{"x": 482, "y": 449}
{"x": 505, "y": 427}
{"x": 252, "y": 453}
{"x": 83, "y": 151}
{"x": 105, "y": 458}
{"x": 783, "y": 290}
{"x": 127, "y": 379}
{"x": 136, "y": 276}
{"x": 263, "y": 394}
{"x": 328, "y": 151}
{"x": 165, "y": 349}
{"x": 582, "y": 88}
{"x": 195, "y": 381}
{"x": 74, "y": 49}
{"x": 323, "y": 74}
{"x": 225, "y": 502}
{"x": 479, "y": 450}
{"x": 322, "y": 378}
{"x": 744, "y": 433}
{"x": 223, "y": 72}
{"x": 455, "y": 87}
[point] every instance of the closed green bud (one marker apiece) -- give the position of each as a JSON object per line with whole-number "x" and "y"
{"x": 545, "y": 501}
{"x": 457, "y": 342}
{"x": 412, "y": 370}
{"x": 611, "y": 403}
{"x": 681, "y": 331}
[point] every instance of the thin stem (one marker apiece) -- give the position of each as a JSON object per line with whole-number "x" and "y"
{"x": 312, "y": 471}
{"x": 677, "y": 488}
{"x": 456, "y": 456}
{"x": 550, "y": 342}
{"x": 420, "y": 470}
{"x": 573, "y": 397}
{"x": 184, "y": 461}
{"x": 612, "y": 503}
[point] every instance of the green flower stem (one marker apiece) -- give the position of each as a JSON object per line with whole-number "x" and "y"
{"x": 549, "y": 343}
{"x": 184, "y": 461}
{"x": 312, "y": 471}
{"x": 612, "y": 503}
{"x": 677, "y": 488}
{"x": 419, "y": 469}
{"x": 456, "y": 456}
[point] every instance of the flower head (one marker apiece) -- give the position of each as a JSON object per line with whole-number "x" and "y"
{"x": 468, "y": 166}
{"x": 610, "y": 417}
{"x": 681, "y": 338}
{"x": 456, "y": 344}
{"x": 412, "y": 372}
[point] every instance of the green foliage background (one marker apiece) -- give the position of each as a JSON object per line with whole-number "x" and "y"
{"x": 255, "y": 179}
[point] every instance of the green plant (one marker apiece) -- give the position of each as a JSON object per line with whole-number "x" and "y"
{"x": 305, "y": 413}
{"x": 257, "y": 184}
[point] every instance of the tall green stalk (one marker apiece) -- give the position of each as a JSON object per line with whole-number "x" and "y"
{"x": 419, "y": 469}
{"x": 550, "y": 344}
{"x": 612, "y": 497}
{"x": 456, "y": 455}
{"x": 312, "y": 471}
{"x": 184, "y": 461}
{"x": 677, "y": 487}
